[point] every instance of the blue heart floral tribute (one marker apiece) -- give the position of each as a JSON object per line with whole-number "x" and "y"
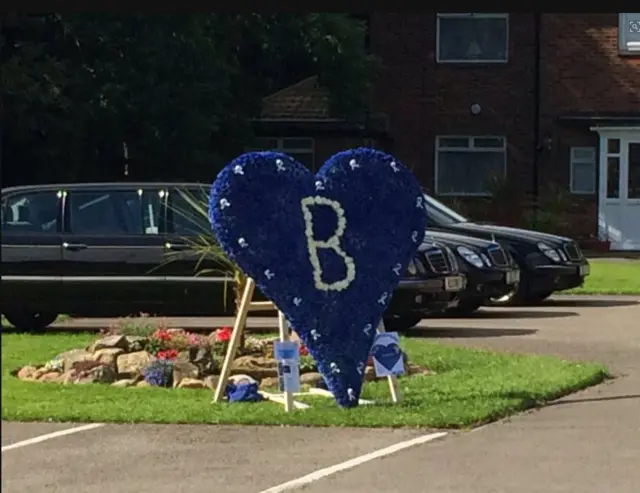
{"x": 328, "y": 249}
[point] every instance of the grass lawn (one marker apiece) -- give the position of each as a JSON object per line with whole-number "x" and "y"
{"x": 471, "y": 387}
{"x": 609, "y": 277}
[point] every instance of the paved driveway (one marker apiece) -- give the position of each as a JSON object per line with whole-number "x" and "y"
{"x": 588, "y": 442}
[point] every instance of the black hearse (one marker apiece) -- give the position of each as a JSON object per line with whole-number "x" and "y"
{"x": 548, "y": 263}
{"x": 114, "y": 249}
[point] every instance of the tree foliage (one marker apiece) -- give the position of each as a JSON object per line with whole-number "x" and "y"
{"x": 178, "y": 89}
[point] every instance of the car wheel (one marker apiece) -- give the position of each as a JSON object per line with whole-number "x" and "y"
{"x": 29, "y": 321}
{"x": 515, "y": 296}
{"x": 401, "y": 323}
{"x": 464, "y": 308}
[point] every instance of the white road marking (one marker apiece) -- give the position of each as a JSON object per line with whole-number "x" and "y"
{"x": 49, "y": 436}
{"x": 351, "y": 463}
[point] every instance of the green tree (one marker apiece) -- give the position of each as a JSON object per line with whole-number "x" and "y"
{"x": 178, "y": 89}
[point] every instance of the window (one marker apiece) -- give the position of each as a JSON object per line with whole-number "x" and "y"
{"x": 35, "y": 212}
{"x": 472, "y": 38}
{"x": 119, "y": 212}
{"x": 300, "y": 149}
{"x": 190, "y": 211}
{"x": 582, "y": 170}
{"x": 469, "y": 165}
{"x": 629, "y": 34}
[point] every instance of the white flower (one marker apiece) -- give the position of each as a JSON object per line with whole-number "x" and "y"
{"x": 243, "y": 243}
{"x": 224, "y": 203}
{"x": 314, "y": 334}
{"x": 332, "y": 243}
{"x": 383, "y": 298}
{"x": 414, "y": 237}
{"x": 334, "y": 368}
{"x": 367, "y": 329}
{"x": 297, "y": 301}
{"x": 394, "y": 166}
{"x": 353, "y": 165}
{"x": 351, "y": 394}
{"x": 360, "y": 368}
{"x": 280, "y": 165}
{"x": 268, "y": 274}
{"x": 319, "y": 185}
{"x": 419, "y": 202}
{"x": 396, "y": 269}
{"x": 238, "y": 170}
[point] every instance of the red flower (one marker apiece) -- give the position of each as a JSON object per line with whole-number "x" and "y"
{"x": 223, "y": 334}
{"x": 162, "y": 334}
{"x": 168, "y": 354}
{"x": 303, "y": 350}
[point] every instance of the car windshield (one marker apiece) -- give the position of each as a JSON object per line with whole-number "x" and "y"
{"x": 439, "y": 214}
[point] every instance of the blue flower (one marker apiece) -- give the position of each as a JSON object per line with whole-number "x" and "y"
{"x": 159, "y": 373}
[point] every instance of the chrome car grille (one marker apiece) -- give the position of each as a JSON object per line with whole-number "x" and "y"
{"x": 573, "y": 251}
{"x": 437, "y": 261}
{"x": 498, "y": 256}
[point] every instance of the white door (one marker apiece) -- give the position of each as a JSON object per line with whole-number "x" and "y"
{"x": 619, "y": 214}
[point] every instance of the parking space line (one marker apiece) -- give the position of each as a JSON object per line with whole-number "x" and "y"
{"x": 351, "y": 463}
{"x": 49, "y": 436}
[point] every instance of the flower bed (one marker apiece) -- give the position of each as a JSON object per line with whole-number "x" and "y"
{"x": 132, "y": 354}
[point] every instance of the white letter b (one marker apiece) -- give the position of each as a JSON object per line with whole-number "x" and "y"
{"x": 333, "y": 243}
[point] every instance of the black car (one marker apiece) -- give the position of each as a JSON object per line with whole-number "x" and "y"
{"x": 548, "y": 263}
{"x": 490, "y": 269}
{"x": 433, "y": 284}
{"x": 113, "y": 249}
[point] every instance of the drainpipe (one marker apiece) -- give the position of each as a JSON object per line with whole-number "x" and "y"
{"x": 537, "y": 147}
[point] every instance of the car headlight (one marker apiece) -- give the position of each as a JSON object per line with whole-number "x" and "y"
{"x": 486, "y": 259}
{"x": 412, "y": 269}
{"x": 549, "y": 252}
{"x": 470, "y": 256}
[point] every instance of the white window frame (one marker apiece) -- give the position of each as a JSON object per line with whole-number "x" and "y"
{"x": 470, "y": 148}
{"x": 626, "y": 47}
{"x": 573, "y": 160}
{"x": 476, "y": 16}
{"x": 281, "y": 148}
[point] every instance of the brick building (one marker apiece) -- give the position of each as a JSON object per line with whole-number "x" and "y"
{"x": 495, "y": 112}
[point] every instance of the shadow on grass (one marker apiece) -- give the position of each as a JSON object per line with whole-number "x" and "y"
{"x": 466, "y": 332}
{"x": 591, "y": 303}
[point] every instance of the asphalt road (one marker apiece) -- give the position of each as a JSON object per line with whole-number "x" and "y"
{"x": 588, "y": 442}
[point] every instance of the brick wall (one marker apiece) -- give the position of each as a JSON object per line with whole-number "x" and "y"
{"x": 581, "y": 71}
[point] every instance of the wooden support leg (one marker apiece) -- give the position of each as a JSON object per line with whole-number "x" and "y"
{"x": 236, "y": 337}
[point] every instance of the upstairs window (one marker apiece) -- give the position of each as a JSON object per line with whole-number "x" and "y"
{"x": 629, "y": 34}
{"x": 472, "y": 38}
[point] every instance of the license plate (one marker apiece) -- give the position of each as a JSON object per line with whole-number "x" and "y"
{"x": 453, "y": 283}
{"x": 584, "y": 270}
{"x": 512, "y": 277}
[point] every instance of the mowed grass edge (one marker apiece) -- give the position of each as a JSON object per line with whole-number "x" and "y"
{"x": 470, "y": 387}
{"x": 611, "y": 277}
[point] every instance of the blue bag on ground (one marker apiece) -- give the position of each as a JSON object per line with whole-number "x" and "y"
{"x": 243, "y": 392}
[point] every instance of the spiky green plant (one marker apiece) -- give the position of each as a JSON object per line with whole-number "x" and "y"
{"x": 205, "y": 247}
